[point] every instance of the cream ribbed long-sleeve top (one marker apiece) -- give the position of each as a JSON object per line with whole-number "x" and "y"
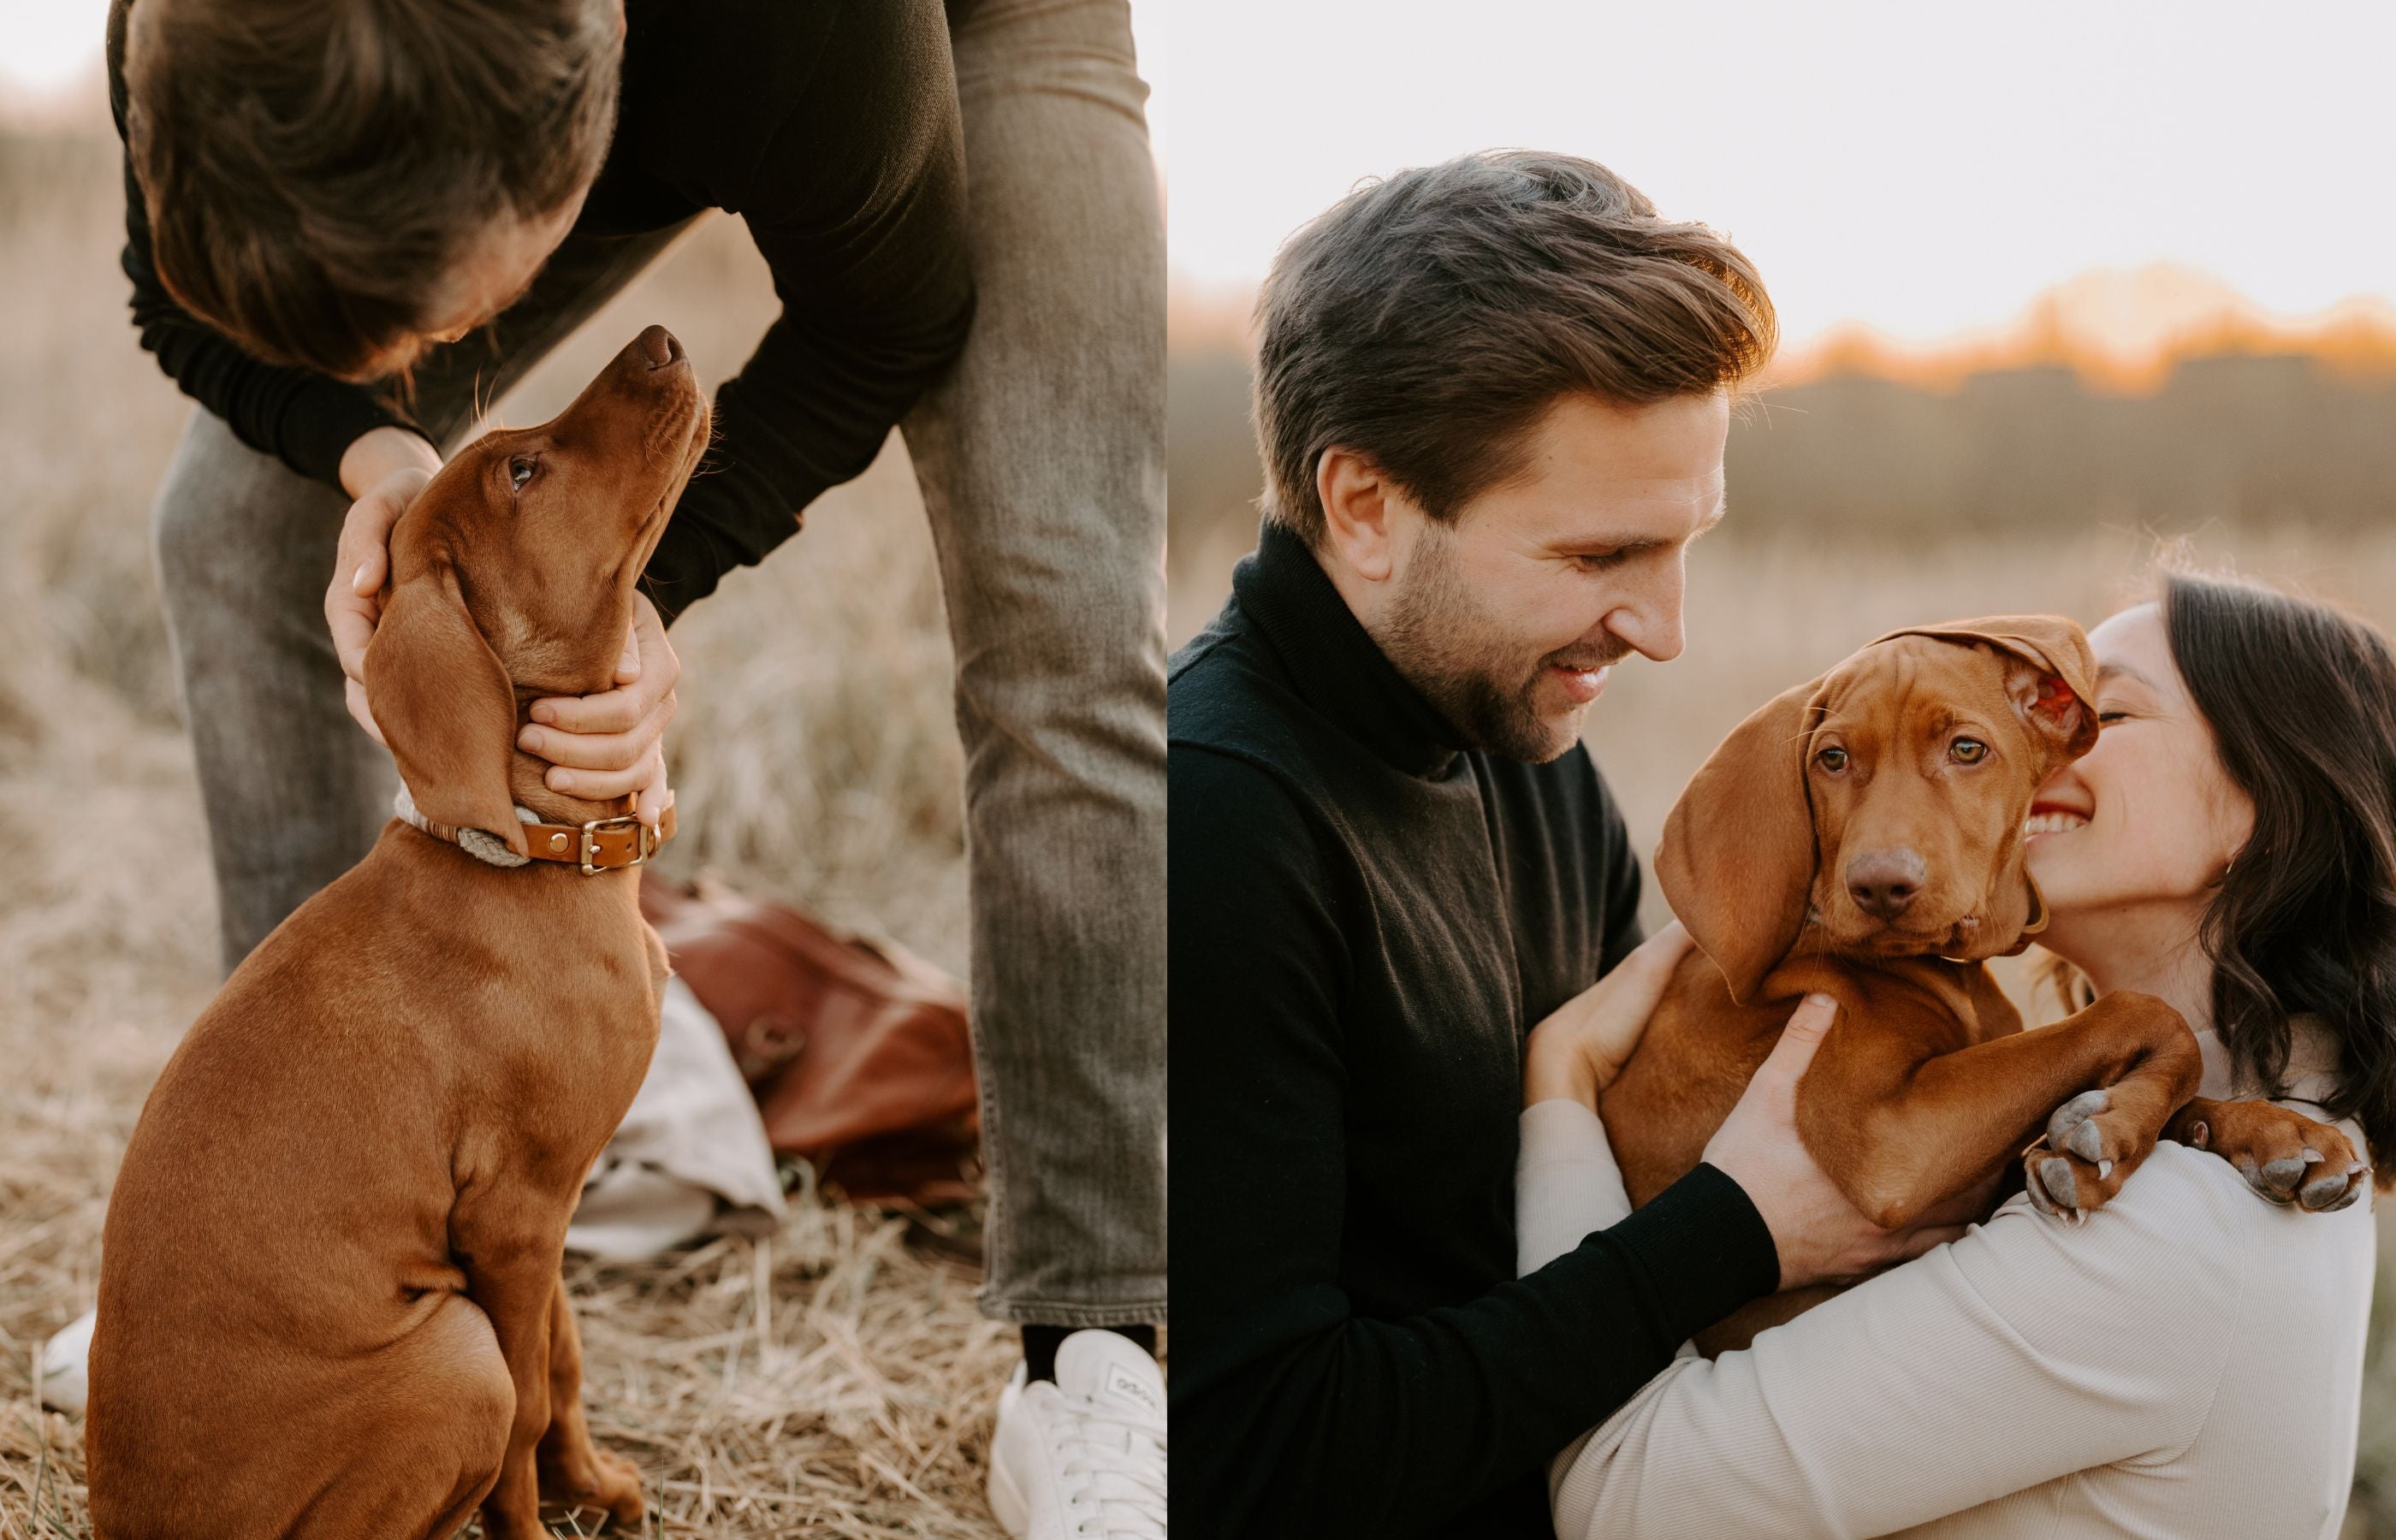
{"x": 2188, "y": 1364}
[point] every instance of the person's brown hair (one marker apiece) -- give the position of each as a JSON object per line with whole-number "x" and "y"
{"x": 1426, "y": 322}
{"x": 310, "y": 168}
{"x": 2302, "y": 703}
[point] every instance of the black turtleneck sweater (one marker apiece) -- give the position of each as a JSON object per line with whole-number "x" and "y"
{"x": 1366, "y": 919}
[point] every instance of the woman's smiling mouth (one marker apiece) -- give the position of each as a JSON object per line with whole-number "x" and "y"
{"x": 2046, "y": 819}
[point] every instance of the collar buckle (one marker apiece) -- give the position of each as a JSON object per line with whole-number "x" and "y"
{"x": 644, "y": 842}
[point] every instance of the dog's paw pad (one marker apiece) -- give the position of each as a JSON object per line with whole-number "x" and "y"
{"x": 2036, "y": 1190}
{"x": 2055, "y": 1174}
{"x": 2280, "y": 1177}
{"x": 2074, "y": 1115}
{"x": 2065, "y": 1186}
{"x": 2332, "y": 1190}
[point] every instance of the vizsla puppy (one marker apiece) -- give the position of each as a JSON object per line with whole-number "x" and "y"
{"x": 329, "y": 1301}
{"x": 1862, "y": 836}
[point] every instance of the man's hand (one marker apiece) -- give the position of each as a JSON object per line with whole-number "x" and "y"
{"x": 383, "y": 470}
{"x": 1576, "y": 1052}
{"x": 1821, "y": 1237}
{"x": 608, "y": 745}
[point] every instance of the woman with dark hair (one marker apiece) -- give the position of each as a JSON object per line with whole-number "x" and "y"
{"x": 2189, "y": 1360}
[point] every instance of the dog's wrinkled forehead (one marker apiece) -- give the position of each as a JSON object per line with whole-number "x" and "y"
{"x": 1900, "y": 679}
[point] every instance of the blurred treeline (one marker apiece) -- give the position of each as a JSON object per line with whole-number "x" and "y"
{"x": 2231, "y": 443}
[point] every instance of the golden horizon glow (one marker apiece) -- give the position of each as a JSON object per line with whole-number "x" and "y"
{"x": 2121, "y": 333}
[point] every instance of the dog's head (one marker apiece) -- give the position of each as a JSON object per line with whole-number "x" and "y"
{"x": 512, "y": 574}
{"x": 1882, "y": 804}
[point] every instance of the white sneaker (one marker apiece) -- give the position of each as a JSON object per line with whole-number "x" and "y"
{"x": 66, "y": 1358}
{"x": 1083, "y": 1457}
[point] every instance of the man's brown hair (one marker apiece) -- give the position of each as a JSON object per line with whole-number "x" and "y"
{"x": 1429, "y": 321}
{"x": 312, "y": 169}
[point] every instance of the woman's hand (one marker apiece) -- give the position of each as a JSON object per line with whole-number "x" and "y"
{"x": 1576, "y": 1052}
{"x": 1821, "y": 1237}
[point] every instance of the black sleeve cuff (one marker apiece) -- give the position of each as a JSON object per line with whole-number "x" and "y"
{"x": 1705, "y": 1248}
{"x": 324, "y": 419}
{"x": 728, "y": 518}
{"x": 682, "y": 570}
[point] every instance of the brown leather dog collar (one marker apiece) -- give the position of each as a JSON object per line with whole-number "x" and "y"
{"x": 602, "y": 844}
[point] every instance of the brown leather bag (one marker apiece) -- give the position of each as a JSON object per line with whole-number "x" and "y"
{"x": 858, "y": 1049}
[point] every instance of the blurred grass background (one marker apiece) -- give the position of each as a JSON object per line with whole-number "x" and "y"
{"x": 1858, "y": 504}
{"x": 826, "y": 1380}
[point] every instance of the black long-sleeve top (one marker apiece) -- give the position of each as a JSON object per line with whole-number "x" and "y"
{"x": 832, "y": 129}
{"x": 1365, "y": 920}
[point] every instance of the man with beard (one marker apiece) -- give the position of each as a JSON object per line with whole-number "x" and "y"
{"x": 1493, "y": 397}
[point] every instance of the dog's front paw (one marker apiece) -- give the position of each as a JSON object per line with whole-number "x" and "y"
{"x": 620, "y": 1489}
{"x": 2092, "y": 1128}
{"x": 2090, "y": 1147}
{"x": 2064, "y": 1185}
{"x": 597, "y": 1479}
{"x": 2284, "y": 1156}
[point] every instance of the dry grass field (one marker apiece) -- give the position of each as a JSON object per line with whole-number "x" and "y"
{"x": 825, "y": 1381}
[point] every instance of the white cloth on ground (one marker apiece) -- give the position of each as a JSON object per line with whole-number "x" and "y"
{"x": 691, "y": 1157}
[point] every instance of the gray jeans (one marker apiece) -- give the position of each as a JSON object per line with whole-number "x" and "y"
{"x": 1041, "y": 465}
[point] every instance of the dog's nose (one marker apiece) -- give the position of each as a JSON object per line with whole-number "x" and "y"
{"x": 660, "y": 347}
{"x": 1884, "y": 883}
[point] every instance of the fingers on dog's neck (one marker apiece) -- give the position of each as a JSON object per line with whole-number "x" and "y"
{"x": 526, "y": 782}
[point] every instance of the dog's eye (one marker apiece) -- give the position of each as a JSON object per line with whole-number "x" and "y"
{"x": 520, "y": 470}
{"x": 1833, "y": 759}
{"x": 1967, "y": 750}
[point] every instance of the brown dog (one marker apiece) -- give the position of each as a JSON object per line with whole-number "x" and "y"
{"x": 1861, "y": 836}
{"x": 329, "y": 1298}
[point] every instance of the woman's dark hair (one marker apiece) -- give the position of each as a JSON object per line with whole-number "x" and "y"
{"x": 2302, "y": 703}
{"x": 310, "y": 168}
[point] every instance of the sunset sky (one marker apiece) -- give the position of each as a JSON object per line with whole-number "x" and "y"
{"x": 1923, "y": 168}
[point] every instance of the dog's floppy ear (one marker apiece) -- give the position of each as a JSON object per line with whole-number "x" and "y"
{"x": 446, "y": 706}
{"x": 1738, "y": 858}
{"x": 2055, "y": 692}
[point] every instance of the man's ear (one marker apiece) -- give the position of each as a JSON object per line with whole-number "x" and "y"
{"x": 1738, "y": 858}
{"x": 446, "y": 706}
{"x": 1357, "y": 518}
{"x": 2050, "y": 673}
